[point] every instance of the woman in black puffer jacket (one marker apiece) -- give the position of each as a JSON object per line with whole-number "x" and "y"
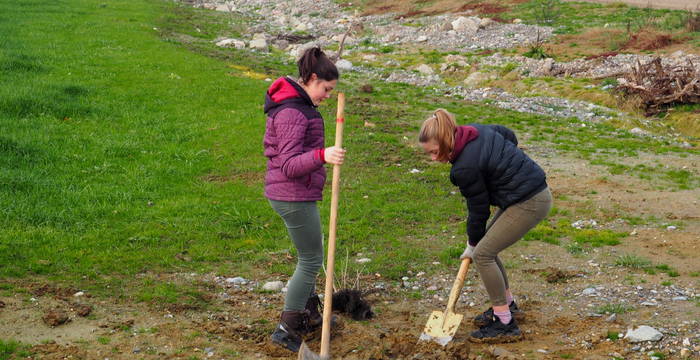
{"x": 490, "y": 170}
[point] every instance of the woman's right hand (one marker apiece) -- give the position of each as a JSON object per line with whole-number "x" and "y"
{"x": 334, "y": 155}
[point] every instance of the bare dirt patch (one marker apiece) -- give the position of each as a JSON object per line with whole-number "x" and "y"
{"x": 647, "y": 39}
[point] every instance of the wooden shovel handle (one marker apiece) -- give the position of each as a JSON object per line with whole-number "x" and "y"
{"x": 330, "y": 258}
{"x": 457, "y": 286}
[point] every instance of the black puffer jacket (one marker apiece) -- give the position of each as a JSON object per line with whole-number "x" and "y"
{"x": 492, "y": 170}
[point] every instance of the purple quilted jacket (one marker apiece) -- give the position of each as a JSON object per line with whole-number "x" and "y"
{"x": 293, "y": 144}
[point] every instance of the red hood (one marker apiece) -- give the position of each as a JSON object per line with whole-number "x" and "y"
{"x": 463, "y": 135}
{"x": 281, "y": 90}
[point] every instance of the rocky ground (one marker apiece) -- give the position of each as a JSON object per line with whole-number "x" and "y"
{"x": 372, "y": 40}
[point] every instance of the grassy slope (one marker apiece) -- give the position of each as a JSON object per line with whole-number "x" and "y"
{"x": 99, "y": 117}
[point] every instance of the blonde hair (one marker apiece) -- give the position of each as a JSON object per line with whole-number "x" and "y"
{"x": 439, "y": 127}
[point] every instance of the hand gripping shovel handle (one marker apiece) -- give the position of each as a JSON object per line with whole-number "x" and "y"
{"x": 330, "y": 258}
{"x": 457, "y": 286}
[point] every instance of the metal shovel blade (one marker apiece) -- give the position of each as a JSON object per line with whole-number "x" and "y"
{"x": 305, "y": 353}
{"x": 441, "y": 327}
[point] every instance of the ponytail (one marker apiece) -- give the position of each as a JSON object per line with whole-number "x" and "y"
{"x": 439, "y": 127}
{"x": 315, "y": 61}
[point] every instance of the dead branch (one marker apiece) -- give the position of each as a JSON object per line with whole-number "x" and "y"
{"x": 660, "y": 86}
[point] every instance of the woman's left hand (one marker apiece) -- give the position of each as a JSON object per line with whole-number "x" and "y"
{"x": 468, "y": 251}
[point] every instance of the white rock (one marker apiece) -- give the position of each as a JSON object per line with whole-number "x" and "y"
{"x": 643, "y": 333}
{"x": 235, "y": 43}
{"x": 258, "y": 44}
{"x": 432, "y": 288}
{"x": 363, "y": 260}
{"x": 422, "y": 38}
{"x": 425, "y": 69}
{"x": 237, "y": 280}
{"x": 301, "y": 27}
{"x": 680, "y": 298}
{"x": 671, "y": 227}
{"x": 465, "y": 24}
{"x": 686, "y": 342}
{"x": 588, "y": 291}
{"x": 486, "y": 22}
{"x": 638, "y": 131}
{"x": 404, "y": 278}
{"x": 273, "y": 285}
{"x": 685, "y": 353}
{"x": 343, "y": 65}
{"x": 415, "y": 171}
{"x": 517, "y": 21}
{"x": 79, "y": 294}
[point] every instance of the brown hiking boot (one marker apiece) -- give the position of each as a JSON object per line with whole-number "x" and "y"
{"x": 293, "y": 325}
{"x": 313, "y": 306}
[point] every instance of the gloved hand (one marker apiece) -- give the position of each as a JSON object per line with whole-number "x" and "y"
{"x": 468, "y": 252}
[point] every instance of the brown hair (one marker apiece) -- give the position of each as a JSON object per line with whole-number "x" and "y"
{"x": 439, "y": 127}
{"x": 315, "y": 61}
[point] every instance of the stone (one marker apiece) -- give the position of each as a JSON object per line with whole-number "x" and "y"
{"x": 638, "y": 131}
{"x": 79, "y": 294}
{"x": 343, "y": 65}
{"x": 611, "y": 318}
{"x": 432, "y": 288}
{"x": 685, "y": 353}
{"x": 447, "y": 26}
{"x": 465, "y": 24}
{"x": 363, "y": 260}
{"x": 485, "y": 22}
{"x": 643, "y": 333}
{"x": 260, "y": 36}
{"x": 273, "y": 285}
{"x": 588, "y": 291}
{"x": 234, "y": 43}
{"x": 425, "y": 69}
{"x": 280, "y": 44}
{"x": 546, "y": 67}
{"x": 517, "y": 21}
{"x": 237, "y": 281}
{"x": 501, "y": 353}
{"x": 260, "y": 44}
{"x": 422, "y": 38}
{"x": 680, "y": 298}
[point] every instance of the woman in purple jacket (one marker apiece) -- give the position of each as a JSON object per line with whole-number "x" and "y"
{"x": 294, "y": 146}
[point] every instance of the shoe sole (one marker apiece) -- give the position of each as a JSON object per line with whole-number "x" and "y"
{"x": 497, "y": 340}
{"x": 289, "y": 345}
{"x": 519, "y": 317}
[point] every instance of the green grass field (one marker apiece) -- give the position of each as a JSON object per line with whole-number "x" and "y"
{"x": 130, "y": 144}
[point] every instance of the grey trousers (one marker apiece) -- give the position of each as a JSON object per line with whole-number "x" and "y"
{"x": 304, "y": 226}
{"x": 507, "y": 227}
